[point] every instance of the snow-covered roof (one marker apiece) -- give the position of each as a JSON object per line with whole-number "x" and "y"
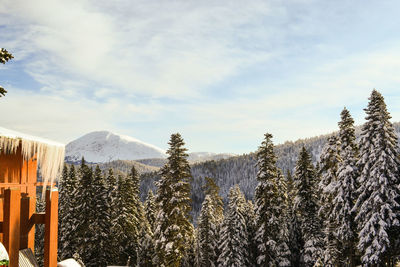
{"x": 50, "y": 154}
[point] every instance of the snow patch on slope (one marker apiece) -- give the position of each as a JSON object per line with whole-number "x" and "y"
{"x": 105, "y": 146}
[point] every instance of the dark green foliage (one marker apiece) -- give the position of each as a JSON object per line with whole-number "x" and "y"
{"x": 270, "y": 208}
{"x": 101, "y": 225}
{"x": 113, "y": 213}
{"x": 234, "y": 234}
{"x": 377, "y": 205}
{"x": 329, "y": 163}
{"x": 131, "y": 216}
{"x": 345, "y": 190}
{"x": 69, "y": 211}
{"x": 5, "y": 56}
{"x": 208, "y": 239}
{"x": 39, "y": 232}
{"x": 150, "y": 209}
{"x": 145, "y": 248}
{"x": 212, "y": 189}
{"x": 174, "y": 231}
{"x": 86, "y": 215}
{"x": 251, "y": 226}
{"x": 306, "y": 207}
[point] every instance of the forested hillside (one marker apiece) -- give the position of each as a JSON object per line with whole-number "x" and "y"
{"x": 239, "y": 170}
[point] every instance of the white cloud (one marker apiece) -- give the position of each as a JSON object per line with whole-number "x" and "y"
{"x": 162, "y": 49}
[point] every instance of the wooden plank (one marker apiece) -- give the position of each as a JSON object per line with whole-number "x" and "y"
{"x": 11, "y": 224}
{"x": 27, "y": 229}
{"x": 38, "y": 218}
{"x": 10, "y": 166}
{"x": 51, "y": 228}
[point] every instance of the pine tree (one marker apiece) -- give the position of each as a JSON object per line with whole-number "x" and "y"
{"x": 150, "y": 209}
{"x": 234, "y": 233}
{"x": 118, "y": 227}
{"x": 39, "y": 231}
{"x": 212, "y": 189}
{"x": 344, "y": 191}
{"x": 329, "y": 161}
{"x": 208, "y": 241}
{"x": 5, "y": 56}
{"x": 251, "y": 226}
{"x": 101, "y": 224}
{"x": 378, "y": 200}
{"x": 132, "y": 216}
{"x": 62, "y": 207}
{"x": 294, "y": 231}
{"x": 174, "y": 231}
{"x": 283, "y": 254}
{"x": 146, "y": 248}
{"x": 306, "y": 206}
{"x": 68, "y": 212}
{"x": 86, "y": 215}
{"x": 268, "y": 210}
{"x": 113, "y": 214}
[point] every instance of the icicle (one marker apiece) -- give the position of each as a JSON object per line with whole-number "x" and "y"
{"x": 50, "y": 155}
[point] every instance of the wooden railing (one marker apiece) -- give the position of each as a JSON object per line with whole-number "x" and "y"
{"x": 19, "y": 219}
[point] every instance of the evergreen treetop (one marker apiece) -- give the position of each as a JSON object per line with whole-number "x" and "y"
{"x": 378, "y": 195}
{"x": 174, "y": 231}
{"x": 344, "y": 194}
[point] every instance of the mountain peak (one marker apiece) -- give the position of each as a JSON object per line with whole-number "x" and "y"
{"x": 105, "y": 146}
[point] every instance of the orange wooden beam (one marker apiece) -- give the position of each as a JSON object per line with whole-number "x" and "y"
{"x": 51, "y": 228}
{"x": 27, "y": 229}
{"x": 11, "y": 224}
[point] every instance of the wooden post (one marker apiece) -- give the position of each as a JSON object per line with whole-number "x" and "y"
{"x": 51, "y": 228}
{"x": 11, "y": 225}
{"x": 27, "y": 225}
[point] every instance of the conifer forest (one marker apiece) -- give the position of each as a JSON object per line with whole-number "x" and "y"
{"x": 340, "y": 210}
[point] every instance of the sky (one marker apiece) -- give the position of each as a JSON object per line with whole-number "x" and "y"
{"x": 221, "y": 73}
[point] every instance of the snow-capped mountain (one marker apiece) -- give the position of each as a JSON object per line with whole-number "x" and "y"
{"x": 104, "y": 146}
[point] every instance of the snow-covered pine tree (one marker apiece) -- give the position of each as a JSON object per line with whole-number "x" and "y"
{"x": 377, "y": 204}
{"x": 131, "y": 218}
{"x": 251, "y": 226}
{"x": 174, "y": 231}
{"x": 207, "y": 234}
{"x": 233, "y": 235}
{"x": 212, "y": 189}
{"x": 118, "y": 227}
{"x": 39, "y": 231}
{"x": 197, "y": 247}
{"x": 68, "y": 213}
{"x": 306, "y": 206}
{"x": 62, "y": 208}
{"x": 86, "y": 215}
{"x": 101, "y": 225}
{"x": 267, "y": 206}
{"x": 145, "y": 251}
{"x": 329, "y": 161}
{"x": 344, "y": 192}
{"x": 150, "y": 209}
{"x": 283, "y": 254}
{"x": 294, "y": 231}
{"x": 113, "y": 214}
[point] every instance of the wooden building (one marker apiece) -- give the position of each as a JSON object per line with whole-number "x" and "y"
{"x": 20, "y": 157}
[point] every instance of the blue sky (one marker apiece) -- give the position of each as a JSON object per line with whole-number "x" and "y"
{"x": 222, "y": 73}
